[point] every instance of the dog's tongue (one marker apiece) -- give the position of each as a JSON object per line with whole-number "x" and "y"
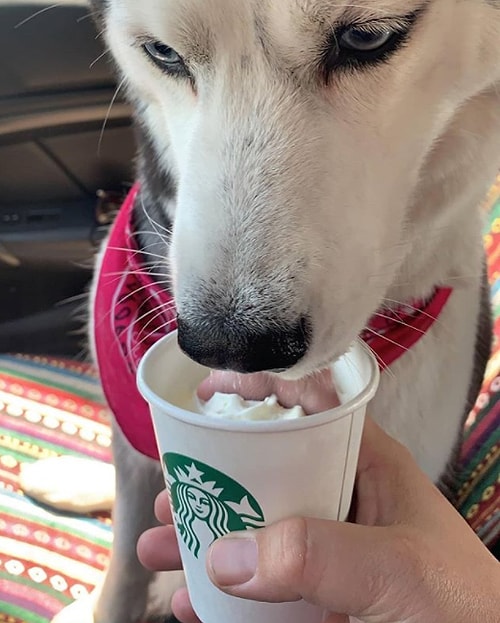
{"x": 314, "y": 394}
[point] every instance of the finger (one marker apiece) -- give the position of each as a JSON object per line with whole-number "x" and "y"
{"x": 157, "y": 549}
{"x": 162, "y": 508}
{"x": 381, "y": 463}
{"x": 181, "y": 607}
{"x": 390, "y": 487}
{"x": 378, "y": 449}
{"x": 323, "y": 562}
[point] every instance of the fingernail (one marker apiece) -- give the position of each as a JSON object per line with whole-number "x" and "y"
{"x": 233, "y": 561}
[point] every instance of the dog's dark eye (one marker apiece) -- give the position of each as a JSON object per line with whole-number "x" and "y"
{"x": 166, "y": 58}
{"x": 364, "y": 40}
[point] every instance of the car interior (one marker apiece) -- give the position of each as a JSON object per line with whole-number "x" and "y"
{"x": 66, "y": 163}
{"x": 61, "y": 175}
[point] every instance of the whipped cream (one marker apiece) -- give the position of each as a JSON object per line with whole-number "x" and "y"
{"x": 234, "y": 407}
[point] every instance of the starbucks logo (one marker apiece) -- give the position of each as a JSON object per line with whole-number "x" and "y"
{"x": 206, "y": 503}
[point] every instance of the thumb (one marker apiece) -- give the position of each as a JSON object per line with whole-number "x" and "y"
{"x": 345, "y": 568}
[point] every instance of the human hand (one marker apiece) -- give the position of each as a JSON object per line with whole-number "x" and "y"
{"x": 409, "y": 557}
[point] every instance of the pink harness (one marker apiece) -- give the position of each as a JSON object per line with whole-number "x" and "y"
{"x": 131, "y": 312}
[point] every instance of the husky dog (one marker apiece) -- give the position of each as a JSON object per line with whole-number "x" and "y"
{"x": 318, "y": 163}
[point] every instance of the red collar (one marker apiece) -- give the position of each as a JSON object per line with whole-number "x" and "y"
{"x": 131, "y": 312}
{"x": 391, "y": 332}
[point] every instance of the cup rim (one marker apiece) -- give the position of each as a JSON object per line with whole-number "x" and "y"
{"x": 252, "y": 426}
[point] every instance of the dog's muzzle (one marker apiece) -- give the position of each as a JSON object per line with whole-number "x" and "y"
{"x": 244, "y": 350}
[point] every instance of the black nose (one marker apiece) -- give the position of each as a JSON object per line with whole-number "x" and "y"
{"x": 244, "y": 350}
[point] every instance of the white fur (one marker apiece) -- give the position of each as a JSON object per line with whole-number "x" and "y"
{"x": 337, "y": 197}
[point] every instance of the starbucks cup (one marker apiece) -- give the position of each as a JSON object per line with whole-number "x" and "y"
{"x": 225, "y": 475}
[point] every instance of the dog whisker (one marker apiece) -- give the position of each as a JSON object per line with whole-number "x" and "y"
{"x": 399, "y": 321}
{"x": 37, "y": 13}
{"x": 100, "y": 34}
{"x": 154, "y": 224}
{"x": 141, "y": 251}
{"x": 108, "y": 113}
{"x": 89, "y": 15}
{"x": 83, "y": 296}
{"x": 369, "y": 349}
{"x": 121, "y": 273}
{"x": 96, "y": 60}
{"x": 450, "y": 280}
{"x": 387, "y": 339}
{"x": 416, "y": 309}
{"x": 164, "y": 237}
{"x": 105, "y": 317}
{"x": 132, "y": 293}
{"x": 162, "y": 327}
{"x": 166, "y": 306}
{"x": 159, "y": 313}
{"x": 162, "y": 310}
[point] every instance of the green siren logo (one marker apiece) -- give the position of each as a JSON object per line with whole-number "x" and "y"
{"x": 206, "y": 503}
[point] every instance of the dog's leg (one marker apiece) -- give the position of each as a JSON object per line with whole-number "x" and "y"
{"x": 124, "y": 594}
{"x": 70, "y": 484}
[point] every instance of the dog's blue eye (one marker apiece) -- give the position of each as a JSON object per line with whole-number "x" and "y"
{"x": 364, "y": 40}
{"x": 162, "y": 53}
{"x": 165, "y": 58}
{"x": 358, "y": 46}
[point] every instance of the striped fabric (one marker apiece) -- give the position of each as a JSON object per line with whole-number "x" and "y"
{"x": 47, "y": 559}
{"x": 478, "y": 484}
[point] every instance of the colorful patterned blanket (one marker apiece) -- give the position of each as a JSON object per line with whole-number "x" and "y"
{"x": 478, "y": 486}
{"x": 47, "y": 559}
{"x": 50, "y": 407}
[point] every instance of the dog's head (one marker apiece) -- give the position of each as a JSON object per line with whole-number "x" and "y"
{"x": 297, "y": 133}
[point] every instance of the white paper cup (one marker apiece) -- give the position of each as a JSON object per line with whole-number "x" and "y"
{"x": 226, "y": 475}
